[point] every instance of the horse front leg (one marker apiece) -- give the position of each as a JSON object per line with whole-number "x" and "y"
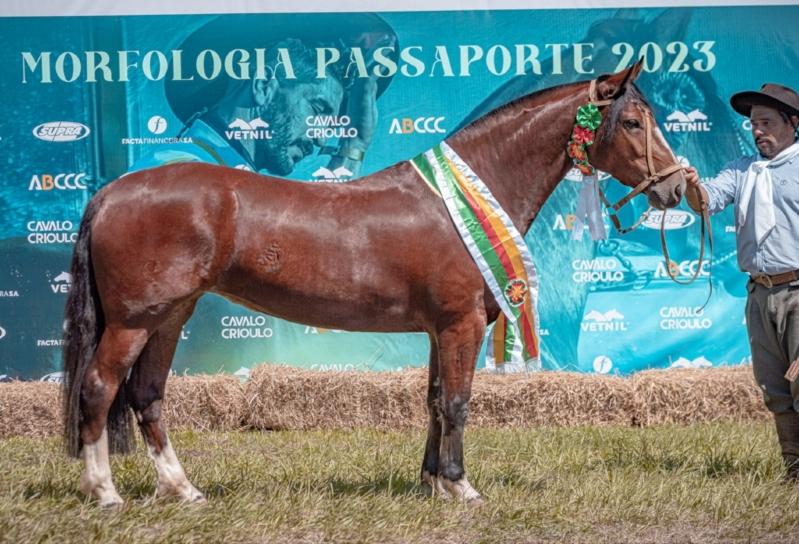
{"x": 433, "y": 444}
{"x": 459, "y": 345}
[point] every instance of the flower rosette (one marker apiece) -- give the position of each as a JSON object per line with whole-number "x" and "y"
{"x": 586, "y": 122}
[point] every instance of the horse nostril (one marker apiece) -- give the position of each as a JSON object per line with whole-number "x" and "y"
{"x": 678, "y": 190}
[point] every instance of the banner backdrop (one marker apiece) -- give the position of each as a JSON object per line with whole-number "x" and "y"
{"x": 90, "y": 98}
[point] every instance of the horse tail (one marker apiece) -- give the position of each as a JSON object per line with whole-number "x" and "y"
{"x": 83, "y": 328}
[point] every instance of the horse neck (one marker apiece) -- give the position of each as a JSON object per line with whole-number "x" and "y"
{"x": 519, "y": 151}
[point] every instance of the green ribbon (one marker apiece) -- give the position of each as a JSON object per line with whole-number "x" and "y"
{"x": 588, "y": 116}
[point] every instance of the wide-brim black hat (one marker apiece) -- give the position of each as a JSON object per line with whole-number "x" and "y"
{"x": 771, "y": 95}
{"x": 261, "y": 31}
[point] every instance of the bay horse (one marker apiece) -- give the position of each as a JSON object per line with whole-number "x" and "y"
{"x": 377, "y": 254}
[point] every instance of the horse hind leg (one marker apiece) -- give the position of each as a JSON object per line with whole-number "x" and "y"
{"x": 145, "y": 389}
{"x": 116, "y": 352}
{"x": 459, "y": 345}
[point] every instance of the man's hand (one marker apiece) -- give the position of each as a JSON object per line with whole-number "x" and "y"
{"x": 695, "y": 194}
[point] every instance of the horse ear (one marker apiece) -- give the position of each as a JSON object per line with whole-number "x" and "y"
{"x": 612, "y": 86}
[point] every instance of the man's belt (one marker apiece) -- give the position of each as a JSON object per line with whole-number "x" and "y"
{"x": 776, "y": 279}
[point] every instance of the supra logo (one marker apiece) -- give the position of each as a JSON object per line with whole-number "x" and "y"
{"x": 699, "y": 362}
{"x": 675, "y": 219}
{"x": 61, "y": 283}
{"x": 610, "y": 321}
{"x": 682, "y": 268}
{"x": 53, "y": 377}
{"x": 61, "y": 131}
{"x": 156, "y": 124}
{"x": 420, "y": 125}
{"x": 2, "y": 333}
{"x": 693, "y": 121}
{"x": 257, "y": 129}
{"x": 325, "y": 174}
{"x": 61, "y": 182}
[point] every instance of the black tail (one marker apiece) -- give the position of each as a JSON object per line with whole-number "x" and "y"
{"x": 83, "y": 327}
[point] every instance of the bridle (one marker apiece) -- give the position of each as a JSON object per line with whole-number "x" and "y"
{"x": 655, "y": 176}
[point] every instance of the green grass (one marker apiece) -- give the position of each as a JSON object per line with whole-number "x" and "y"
{"x": 705, "y": 483}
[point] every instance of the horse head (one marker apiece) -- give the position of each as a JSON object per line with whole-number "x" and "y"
{"x": 629, "y": 144}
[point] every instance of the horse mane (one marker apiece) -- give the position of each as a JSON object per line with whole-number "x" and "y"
{"x": 630, "y": 92}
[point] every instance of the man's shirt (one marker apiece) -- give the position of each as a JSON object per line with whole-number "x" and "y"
{"x": 779, "y": 252}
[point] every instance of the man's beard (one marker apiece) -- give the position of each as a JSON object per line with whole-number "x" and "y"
{"x": 273, "y": 154}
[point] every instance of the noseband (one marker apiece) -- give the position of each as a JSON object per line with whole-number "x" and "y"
{"x": 654, "y": 176}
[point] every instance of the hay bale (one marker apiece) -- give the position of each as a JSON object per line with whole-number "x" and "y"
{"x": 281, "y": 397}
{"x": 204, "y": 403}
{"x": 694, "y": 395}
{"x": 30, "y": 409}
{"x": 549, "y": 398}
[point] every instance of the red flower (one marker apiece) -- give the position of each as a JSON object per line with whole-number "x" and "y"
{"x": 583, "y": 135}
{"x": 585, "y": 168}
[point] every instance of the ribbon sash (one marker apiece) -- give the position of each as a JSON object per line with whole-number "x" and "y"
{"x": 499, "y": 251}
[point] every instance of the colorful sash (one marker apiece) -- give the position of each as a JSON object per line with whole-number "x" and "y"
{"x": 499, "y": 252}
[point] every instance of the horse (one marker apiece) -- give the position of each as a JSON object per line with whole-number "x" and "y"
{"x": 377, "y": 254}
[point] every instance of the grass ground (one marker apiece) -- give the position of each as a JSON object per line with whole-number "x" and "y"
{"x": 704, "y": 484}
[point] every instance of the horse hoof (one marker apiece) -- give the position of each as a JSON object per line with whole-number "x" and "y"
{"x": 111, "y": 503}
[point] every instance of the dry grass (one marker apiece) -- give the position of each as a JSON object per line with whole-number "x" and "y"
{"x": 284, "y": 398}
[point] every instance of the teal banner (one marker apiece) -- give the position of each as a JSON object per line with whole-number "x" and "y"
{"x": 329, "y": 97}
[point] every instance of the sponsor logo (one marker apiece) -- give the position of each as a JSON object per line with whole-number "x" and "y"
{"x": 49, "y": 342}
{"x": 13, "y": 293}
{"x": 53, "y": 377}
{"x": 420, "y": 125}
{"x": 325, "y": 174}
{"x": 685, "y": 269}
{"x": 565, "y": 222}
{"x": 326, "y": 127}
{"x": 680, "y": 318}
{"x": 61, "y": 182}
{"x": 61, "y": 283}
{"x": 699, "y": 362}
{"x": 543, "y": 332}
{"x": 693, "y": 121}
{"x": 729, "y": 229}
{"x": 245, "y": 326}
{"x": 596, "y": 270}
{"x": 746, "y": 124}
{"x": 335, "y": 367}
{"x": 257, "y": 129}
{"x": 156, "y": 124}
{"x": 51, "y": 232}
{"x": 2, "y": 333}
{"x": 610, "y": 321}
{"x": 575, "y": 175}
{"x": 61, "y": 131}
{"x": 319, "y": 330}
{"x": 602, "y": 364}
{"x": 675, "y": 219}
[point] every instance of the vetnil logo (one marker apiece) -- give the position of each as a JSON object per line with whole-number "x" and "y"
{"x": 693, "y": 121}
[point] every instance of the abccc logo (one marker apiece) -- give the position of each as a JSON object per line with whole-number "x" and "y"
{"x": 420, "y": 125}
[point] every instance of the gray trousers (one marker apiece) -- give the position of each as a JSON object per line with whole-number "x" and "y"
{"x": 772, "y": 321}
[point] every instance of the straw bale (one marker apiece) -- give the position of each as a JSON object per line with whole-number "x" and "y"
{"x": 204, "y": 403}
{"x": 694, "y": 395}
{"x": 549, "y": 398}
{"x": 281, "y": 397}
{"x": 29, "y": 409}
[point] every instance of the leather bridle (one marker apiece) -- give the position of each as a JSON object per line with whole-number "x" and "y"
{"x": 655, "y": 176}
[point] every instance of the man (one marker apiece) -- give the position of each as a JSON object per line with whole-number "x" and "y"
{"x": 262, "y": 124}
{"x": 765, "y": 191}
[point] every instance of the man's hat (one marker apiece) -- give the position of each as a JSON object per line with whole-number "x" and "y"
{"x": 262, "y": 31}
{"x": 771, "y": 95}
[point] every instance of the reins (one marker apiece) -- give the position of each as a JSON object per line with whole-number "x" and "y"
{"x": 655, "y": 176}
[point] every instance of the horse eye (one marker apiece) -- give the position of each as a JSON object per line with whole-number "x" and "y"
{"x": 631, "y": 124}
